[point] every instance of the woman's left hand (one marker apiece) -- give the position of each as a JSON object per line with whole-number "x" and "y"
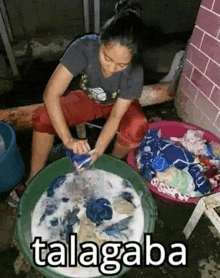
{"x": 95, "y": 154}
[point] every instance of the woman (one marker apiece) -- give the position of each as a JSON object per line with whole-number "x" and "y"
{"x": 111, "y": 83}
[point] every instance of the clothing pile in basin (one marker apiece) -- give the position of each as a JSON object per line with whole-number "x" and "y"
{"x": 97, "y": 205}
{"x": 181, "y": 167}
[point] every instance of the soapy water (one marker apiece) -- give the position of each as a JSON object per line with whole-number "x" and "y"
{"x": 61, "y": 210}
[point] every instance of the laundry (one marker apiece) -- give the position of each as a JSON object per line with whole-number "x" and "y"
{"x": 215, "y": 149}
{"x": 97, "y": 205}
{"x": 212, "y": 151}
{"x": 66, "y": 224}
{"x": 158, "y": 154}
{"x": 127, "y": 196}
{"x": 119, "y": 226}
{"x": 193, "y": 141}
{"x": 79, "y": 161}
{"x": 56, "y": 183}
{"x": 87, "y": 231}
{"x": 213, "y": 174}
{"x": 99, "y": 210}
{"x": 178, "y": 179}
{"x": 123, "y": 207}
{"x": 164, "y": 188}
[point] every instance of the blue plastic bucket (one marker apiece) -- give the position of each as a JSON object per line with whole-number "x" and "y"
{"x": 11, "y": 163}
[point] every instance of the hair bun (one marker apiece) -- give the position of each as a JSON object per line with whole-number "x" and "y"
{"x": 124, "y": 6}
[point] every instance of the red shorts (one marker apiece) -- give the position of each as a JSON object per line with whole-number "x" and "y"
{"x": 79, "y": 108}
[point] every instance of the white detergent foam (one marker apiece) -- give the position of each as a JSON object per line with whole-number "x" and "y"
{"x": 98, "y": 183}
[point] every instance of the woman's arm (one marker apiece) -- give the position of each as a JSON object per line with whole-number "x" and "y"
{"x": 111, "y": 126}
{"x": 56, "y": 87}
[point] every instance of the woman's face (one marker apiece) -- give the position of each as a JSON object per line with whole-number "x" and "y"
{"x": 113, "y": 58}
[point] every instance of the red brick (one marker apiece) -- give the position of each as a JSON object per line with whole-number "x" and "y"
{"x": 211, "y": 47}
{"x": 202, "y": 82}
{"x": 213, "y": 72}
{"x": 215, "y": 96}
{"x": 207, "y": 3}
{"x": 216, "y": 7}
{"x": 197, "y": 37}
{"x": 187, "y": 70}
{"x": 208, "y": 21}
{"x": 206, "y": 107}
{"x": 197, "y": 58}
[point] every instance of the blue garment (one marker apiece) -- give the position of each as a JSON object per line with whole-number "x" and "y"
{"x": 158, "y": 154}
{"x": 56, "y": 183}
{"x": 115, "y": 229}
{"x": 79, "y": 160}
{"x": 98, "y": 210}
{"x": 209, "y": 152}
{"x": 127, "y": 196}
{"x": 66, "y": 227}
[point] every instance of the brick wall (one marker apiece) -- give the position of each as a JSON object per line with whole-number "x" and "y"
{"x": 198, "y": 94}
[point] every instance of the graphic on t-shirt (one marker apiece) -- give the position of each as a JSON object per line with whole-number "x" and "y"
{"x": 98, "y": 94}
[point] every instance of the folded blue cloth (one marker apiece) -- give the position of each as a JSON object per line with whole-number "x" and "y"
{"x": 158, "y": 154}
{"x": 79, "y": 160}
{"x": 99, "y": 210}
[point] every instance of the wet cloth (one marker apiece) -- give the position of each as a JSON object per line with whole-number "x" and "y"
{"x": 123, "y": 207}
{"x": 79, "y": 161}
{"x": 87, "y": 231}
{"x": 99, "y": 210}
{"x": 158, "y": 154}
{"x": 78, "y": 108}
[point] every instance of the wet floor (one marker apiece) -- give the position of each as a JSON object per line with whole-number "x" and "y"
{"x": 203, "y": 256}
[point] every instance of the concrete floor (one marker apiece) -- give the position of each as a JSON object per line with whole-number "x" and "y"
{"x": 203, "y": 245}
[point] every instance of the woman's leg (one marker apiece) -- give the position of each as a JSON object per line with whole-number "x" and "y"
{"x": 41, "y": 145}
{"x": 132, "y": 128}
{"x": 120, "y": 151}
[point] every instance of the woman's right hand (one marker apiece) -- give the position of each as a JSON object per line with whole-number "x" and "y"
{"x": 80, "y": 146}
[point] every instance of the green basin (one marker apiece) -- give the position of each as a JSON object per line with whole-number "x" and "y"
{"x": 42, "y": 181}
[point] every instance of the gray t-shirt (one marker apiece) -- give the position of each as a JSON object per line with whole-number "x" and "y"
{"x": 82, "y": 57}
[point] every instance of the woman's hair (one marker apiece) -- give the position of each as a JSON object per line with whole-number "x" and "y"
{"x": 125, "y": 28}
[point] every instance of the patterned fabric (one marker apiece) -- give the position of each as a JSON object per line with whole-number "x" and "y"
{"x": 158, "y": 154}
{"x": 193, "y": 141}
{"x": 79, "y": 161}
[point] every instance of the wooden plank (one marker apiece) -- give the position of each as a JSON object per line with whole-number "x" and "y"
{"x": 155, "y": 94}
{"x": 20, "y": 117}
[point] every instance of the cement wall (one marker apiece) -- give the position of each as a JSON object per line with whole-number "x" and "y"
{"x": 33, "y": 18}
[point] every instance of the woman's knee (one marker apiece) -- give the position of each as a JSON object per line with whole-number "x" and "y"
{"x": 132, "y": 131}
{"x": 41, "y": 121}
